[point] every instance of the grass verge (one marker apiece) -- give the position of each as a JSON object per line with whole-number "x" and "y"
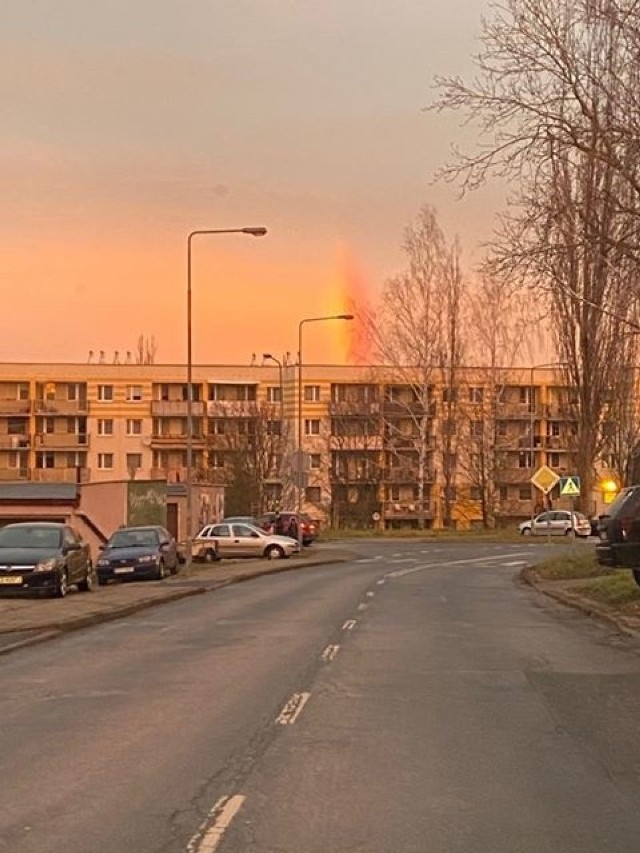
{"x": 570, "y": 566}
{"x": 330, "y": 534}
{"x": 618, "y": 590}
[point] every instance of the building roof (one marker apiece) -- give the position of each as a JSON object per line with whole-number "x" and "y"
{"x": 38, "y": 492}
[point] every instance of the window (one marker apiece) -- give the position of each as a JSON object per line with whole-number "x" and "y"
{"x": 23, "y": 391}
{"x": 45, "y": 459}
{"x": 503, "y": 493}
{"x": 47, "y": 426}
{"x": 216, "y": 459}
{"x": 475, "y": 493}
{"x": 134, "y": 461}
{"x": 16, "y": 426}
{"x": 449, "y": 395}
{"x": 274, "y": 428}
{"x": 476, "y": 395}
{"x": 449, "y": 428}
{"x": 553, "y": 429}
{"x": 105, "y": 393}
{"x": 312, "y": 393}
{"x": 315, "y": 460}
{"x": 312, "y": 426}
{"x": 105, "y": 426}
{"x": 134, "y": 426}
{"x": 105, "y": 461}
{"x": 525, "y": 395}
{"x": 274, "y": 394}
{"x": 216, "y": 427}
{"x": 525, "y": 460}
{"x": 221, "y": 531}
{"x": 313, "y": 494}
{"x": 501, "y": 429}
{"x": 134, "y": 393}
{"x": 524, "y": 493}
{"x": 477, "y": 429}
{"x": 554, "y": 460}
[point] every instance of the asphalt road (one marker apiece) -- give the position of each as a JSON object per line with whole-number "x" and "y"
{"x": 417, "y": 700}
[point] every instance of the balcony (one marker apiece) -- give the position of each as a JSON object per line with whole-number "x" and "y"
{"x": 14, "y": 442}
{"x": 13, "y": 474}
{"x": 61, "y": 440}
{"x": 403, "y": 474}
{"x": 176, "y": 408}
{"x": 15, "y": 407}
{"x": 232, "y": 409}
{"x": 362, "y": 443}
{"x": 407, "y": 510}
{"x": 409, "y": 442}
{"x": 356, "y": 409}
{"x": 411, "y": 409}
{"x": 178, "y": 474}
{"x": 60, "y": 475}
{"x": 175, "y": 439}
{"x": 61, "y": 407}
{"x": 514, "y": 476}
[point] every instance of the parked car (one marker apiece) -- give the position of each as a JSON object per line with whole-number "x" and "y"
{"x": 138, "y": 552}
{"x": 557, "y": 522}
{"x": 619, "y": 533}
{"x": 307, "y": 525}
{"x": 240, "y": 519}
{"x": 241, "y": 540}
{"x": 44, "y": 557}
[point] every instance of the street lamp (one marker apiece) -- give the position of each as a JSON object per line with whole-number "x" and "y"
{"x": 299, "y": 448}
{"x": 532, "y": 420}
{"x": 258, "y": 231}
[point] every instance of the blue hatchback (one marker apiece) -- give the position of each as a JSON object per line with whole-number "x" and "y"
{"x": 138, "y": 552}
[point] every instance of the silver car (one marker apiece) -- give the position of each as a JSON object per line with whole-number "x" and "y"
{"x": 557, "y": 522}
{"x": 241, "y": 540}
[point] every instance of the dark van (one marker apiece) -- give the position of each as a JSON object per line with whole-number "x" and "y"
{"x": 619, "y": 532}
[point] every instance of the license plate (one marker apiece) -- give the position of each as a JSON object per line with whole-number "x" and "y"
{"x": 13, "y": 579}
{"x": 125, "y": 570}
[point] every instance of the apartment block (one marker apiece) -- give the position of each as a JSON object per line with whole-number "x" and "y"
{"x": 378, "y": 447}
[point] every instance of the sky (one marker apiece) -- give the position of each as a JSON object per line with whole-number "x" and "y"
{"x": 126, "y": 125}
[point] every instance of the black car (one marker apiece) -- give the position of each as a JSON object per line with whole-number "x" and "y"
{"x": 619, "y": 533}
{"x": 43, "y": 557}
{"x": 138, "y": 552}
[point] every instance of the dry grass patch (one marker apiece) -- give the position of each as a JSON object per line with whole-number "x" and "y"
{"x": 618, "y": 590}
{"x": 571, "y": 565}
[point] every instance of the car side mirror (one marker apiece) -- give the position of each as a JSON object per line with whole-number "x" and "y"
{"x": 71, "y": 546}
{"x": 101, "y": 547}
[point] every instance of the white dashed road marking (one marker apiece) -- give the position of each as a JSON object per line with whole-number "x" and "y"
{"x": 211, "y": 830}
{"x": 330, "y": 652}
{"x": 380, "y": 582}
{"x": 370, "y": 594}
{"x": 292, "y": 709}
{"x": 487, "y": 559}
{"x": 349, "y": 625}
{"x": 362, "y": 607}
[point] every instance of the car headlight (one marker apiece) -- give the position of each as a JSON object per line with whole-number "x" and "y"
{"x": 46, "y": 565}
{"x": 102, "y": 562}
{"x": 147, "y": 558}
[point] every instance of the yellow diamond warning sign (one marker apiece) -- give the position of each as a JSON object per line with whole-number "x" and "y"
{"x": 545, "y": 479}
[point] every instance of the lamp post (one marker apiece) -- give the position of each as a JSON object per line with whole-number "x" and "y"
{"x": 268, "y": 357}
{"x": 532, "y": 420}
{"x": 299, "y": 448}
{"x": 254, "y": 232}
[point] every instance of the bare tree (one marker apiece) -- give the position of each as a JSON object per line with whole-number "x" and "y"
{"x": 146, "y": 349}
{"x": 553, "y": 87}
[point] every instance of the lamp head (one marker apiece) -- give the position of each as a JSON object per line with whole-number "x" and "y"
{"x": 259, "y": 231}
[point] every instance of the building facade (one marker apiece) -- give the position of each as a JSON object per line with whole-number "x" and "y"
{"x": 379, "y": 448}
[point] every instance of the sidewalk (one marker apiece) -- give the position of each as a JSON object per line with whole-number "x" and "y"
{"x": 565, "y": 592}
{"x": 27, "y": 620}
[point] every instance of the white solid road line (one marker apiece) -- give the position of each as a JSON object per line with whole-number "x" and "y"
{"x": 486, "y": 559}
{"x": 330, "y": 652}
{"x": 206, "y": 840}
{"x": 362, "y": 607}
{"x": 349, "y": 625}
{"x": 292, "y": 709}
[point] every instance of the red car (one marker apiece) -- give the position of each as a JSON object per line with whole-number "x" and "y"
{"x": 308, "y": 527}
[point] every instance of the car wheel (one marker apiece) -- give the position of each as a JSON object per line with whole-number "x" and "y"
{"x": 62, "y": 586}
{"x": 526, "y": 531}
{"x": 102, "y": 581}
{"x": 569, "y": 532}
{"x": 210, "y": 556}
{"x": 86, "y": 585}
{"x": 636, "y": 576}
{"x": 160, "y": 573}
{"x": 274, "y": 552}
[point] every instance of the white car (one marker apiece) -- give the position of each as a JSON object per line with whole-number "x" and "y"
{"x": 557, "y": 522}
{"x": 236, "y": 539}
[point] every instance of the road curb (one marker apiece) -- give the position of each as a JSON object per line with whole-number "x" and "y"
{"x": 577, "y": 602}
{"x": 56, "y": 629}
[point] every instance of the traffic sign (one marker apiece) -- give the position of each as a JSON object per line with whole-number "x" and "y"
{"x": 570, "y": 486}
{"x": 545, "y": 479}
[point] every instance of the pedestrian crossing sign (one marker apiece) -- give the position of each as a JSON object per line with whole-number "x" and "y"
{"x": 570, "y": 486}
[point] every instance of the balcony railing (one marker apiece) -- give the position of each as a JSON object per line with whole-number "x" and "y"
{"x": 402, "y": 474}
{"x": 176, "y": 408}
{"x": 178, "y": 474}
{"x": 61, "y": 475}
{"x": 232, "y": 408}
{"x": 61, "y": 407}
{"x": 411, "y": 409}
{"x": 12, "y": 474}
{"x": 14, "y": 442}
{"x": 515, "y": 476}
{"x": 61, "y": 439}
{"x": 357, "y": 409}
{"x": 15, "y": 407}
{"x": 408, "y": 509}
{"x": 177, "y": 439}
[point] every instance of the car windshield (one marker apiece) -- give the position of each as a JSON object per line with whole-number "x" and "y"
{"x": 30, "y": 536}
{"x": 134, "y": 539}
